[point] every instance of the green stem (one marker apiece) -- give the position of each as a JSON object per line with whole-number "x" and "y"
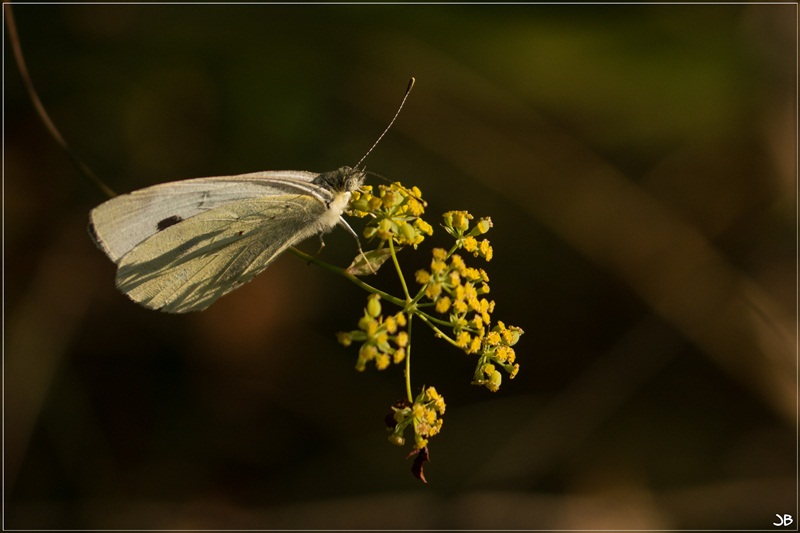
{"x": 408, "y": 362}
{"x": 434, "y": 319}
{"x": 438, "y": 332}
{"x": 399, "y": 271}
{"x": 453, "y": 249}
{"x": 388, "y": 297}
{"x": 343, "y": 272}
{"x": 419, "y": 295}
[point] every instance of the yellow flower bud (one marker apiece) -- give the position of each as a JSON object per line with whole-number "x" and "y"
{"x": 344, "y": 338}
{"x": 364, "y": 322}
{"x": 367, "y": 352}
{"x": 494, "y": 381}
{"x": 360, "y": 205}
{"x": 391, "y": 199}
{"x": 423, "y": 227}
{"x": 448, "y": 218}
{"x": 402, "y": 339}
{"x": 430, "y": 416}
{"x": 422, "y": 276}
{"x": 475, "y": 345}
{"x": 470, "y": 244}
{"x": 374, "y": 306}
{"x": 382, "y": 361}
{"x": 443, "y": 304}
{"x": 439, "y": 254}
{"x": 461, "y": 220}
{"x": 385, "y": 225}
{"x": 493, "y": 338}
{"x": 462, "y": 339}
{"x": 408, "y": 233}
{"x": 396, "y": 439}
{"x": 486, "y": 250}
{"x": 433, "y": 290}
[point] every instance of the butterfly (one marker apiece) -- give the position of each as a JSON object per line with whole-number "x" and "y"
{"x": 181, "y": 245}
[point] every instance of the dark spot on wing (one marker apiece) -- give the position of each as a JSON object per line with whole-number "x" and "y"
{"x": 167, "y": 222}
{"x": 240, "y": 233}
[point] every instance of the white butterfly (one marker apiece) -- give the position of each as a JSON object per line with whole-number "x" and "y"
{"x": 179, "y": 246}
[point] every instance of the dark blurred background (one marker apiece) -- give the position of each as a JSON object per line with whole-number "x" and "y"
{"x": 639, "y": 165}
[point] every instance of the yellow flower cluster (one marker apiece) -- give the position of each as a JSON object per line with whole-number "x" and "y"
{"x": 395, "y": 211}
{"x": 452, "y": 300}
{"x": 497, "y": 350}
{"x": 457, "y": 291}
{"x": 456, "y": 223}
{"x": 423, "y": 416}
{"x": 381, "y": 338}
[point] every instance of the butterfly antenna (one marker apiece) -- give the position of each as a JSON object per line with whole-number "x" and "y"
{"x": 405, "y": 96}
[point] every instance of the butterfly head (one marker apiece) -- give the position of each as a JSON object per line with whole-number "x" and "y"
{"x": 344, "y": 179}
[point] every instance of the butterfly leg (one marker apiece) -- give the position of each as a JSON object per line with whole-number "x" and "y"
{"x": 343, "y": 222}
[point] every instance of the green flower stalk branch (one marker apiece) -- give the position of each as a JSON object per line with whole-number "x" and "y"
{"x": 451, "y": 300}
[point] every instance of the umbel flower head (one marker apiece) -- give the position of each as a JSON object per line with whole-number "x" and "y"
{"x": 453, "y": 300}
{"x": 382, "y": 341}
{"x": 497, "y": 350}
{"x": 423, "y": 416}
{"x": 456, "y": 223}
{"x": 395, "y": 212}
{"x": 458, "y": 292}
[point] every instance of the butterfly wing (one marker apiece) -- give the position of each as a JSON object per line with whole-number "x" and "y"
{"x": 119, "y": 224}
{"x": 188, "y": 265}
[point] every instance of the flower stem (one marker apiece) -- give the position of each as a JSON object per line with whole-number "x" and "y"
{"x": 408, "y": 362}
{"x": 425, "y": 318}
{"x": 343, "y": 272}
{"x": 399, "y": 271}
